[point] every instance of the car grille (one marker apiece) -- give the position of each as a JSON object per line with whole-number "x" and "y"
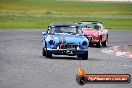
{"x": 67, "y": 46}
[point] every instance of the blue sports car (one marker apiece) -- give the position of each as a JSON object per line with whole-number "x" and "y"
{"x": 65, "y": 39}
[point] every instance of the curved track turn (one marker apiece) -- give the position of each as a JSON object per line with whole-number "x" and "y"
{"x": 23, "y": 66}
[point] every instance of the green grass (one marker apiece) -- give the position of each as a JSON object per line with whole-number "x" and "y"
{"x": 40, "y": 13}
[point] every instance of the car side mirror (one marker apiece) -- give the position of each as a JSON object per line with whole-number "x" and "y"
{"x": 48, "y": 29}
{"x": 44, "y": 33}
{"x": 85, "y": 35}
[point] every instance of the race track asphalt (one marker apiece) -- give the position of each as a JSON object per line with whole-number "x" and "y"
{"x": 23, "y": 66}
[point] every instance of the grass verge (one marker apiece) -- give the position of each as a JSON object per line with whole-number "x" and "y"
{"x": 40, "y": 13}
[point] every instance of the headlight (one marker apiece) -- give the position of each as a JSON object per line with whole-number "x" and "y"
{"x": 57, "y": 47}
{"x": 78, "y": 48}
{"x": 84, "y": 43}
{"x": 51, "y": 42}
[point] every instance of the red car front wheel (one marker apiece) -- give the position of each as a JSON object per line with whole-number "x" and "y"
{"x": 98, "y": 44}
{"x": 105, "y": 43}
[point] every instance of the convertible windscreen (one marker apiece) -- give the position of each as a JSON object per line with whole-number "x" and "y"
{"x": 96, "y": 26}
{"x": 64, "y": 29}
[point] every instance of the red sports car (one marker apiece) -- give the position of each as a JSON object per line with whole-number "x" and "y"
{"x": 97, "y": 34}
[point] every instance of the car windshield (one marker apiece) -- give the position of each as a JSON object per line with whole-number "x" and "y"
{"x": 65, "y": 29}
{"x": 96, "y": 26}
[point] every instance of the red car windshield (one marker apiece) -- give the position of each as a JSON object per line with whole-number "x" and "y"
{"x": 96, "y": 26}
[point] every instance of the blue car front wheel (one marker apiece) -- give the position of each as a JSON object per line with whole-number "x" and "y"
{"x": 48, "y": 54}
{"x": 43, "y": 52}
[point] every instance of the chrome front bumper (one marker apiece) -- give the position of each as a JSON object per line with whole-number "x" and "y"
{"x": 67, "y": 51}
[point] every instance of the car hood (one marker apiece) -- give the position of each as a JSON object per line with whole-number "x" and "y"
{"x": 68, "y": 38}
{"x": 90, "y": 31}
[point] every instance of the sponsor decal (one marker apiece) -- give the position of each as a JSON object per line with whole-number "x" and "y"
{"x": 63, "y": 39}
{"x": 60, "y": 40}
{"x": 83, "y": 78}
